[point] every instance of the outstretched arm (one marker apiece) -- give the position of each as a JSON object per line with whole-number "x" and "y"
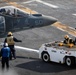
{"x": 16, "y": 40}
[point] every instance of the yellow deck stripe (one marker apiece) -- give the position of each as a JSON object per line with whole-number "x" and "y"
{"x": 66, "y": 28}
{"x": 21, "y": 7}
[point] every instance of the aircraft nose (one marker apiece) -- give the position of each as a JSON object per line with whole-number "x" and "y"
{"x": 49, "y": 20}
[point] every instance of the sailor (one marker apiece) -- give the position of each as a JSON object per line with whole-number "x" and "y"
{"x": 10, "y": 39}
{"x": 5, "y": 53}
{"x": 68, "y": 40}
{"x": 8, "y": 12}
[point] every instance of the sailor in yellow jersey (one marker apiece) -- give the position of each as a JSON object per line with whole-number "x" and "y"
{"x": 10, "y": 39}
{"x": 68, "y": 40}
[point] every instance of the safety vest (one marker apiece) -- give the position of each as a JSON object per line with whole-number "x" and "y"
{"x": 10, "y": 40}
{"x": 67, "y": 41}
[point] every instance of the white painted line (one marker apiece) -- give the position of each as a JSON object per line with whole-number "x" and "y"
{"x": 48, "y": 4}
{"x": 51, "y": 5}
{"x": 27, "y": 2}
{"x": 61, "y": 29}
{"x": 27, "y": 49}
{"x": 74, "y": 14}
{"x": 72, "y": 28}
{"x": 22, "y": 48}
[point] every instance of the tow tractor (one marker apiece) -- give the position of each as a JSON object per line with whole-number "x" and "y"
{"x": 58, "y": 52}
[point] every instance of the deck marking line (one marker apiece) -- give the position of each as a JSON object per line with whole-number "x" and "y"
{"x": 66, "y": 28}
{"x": 74, "y": 14}
{"x": 48, "y": 4}
{"x": 27, "y": 49}
{"x": 27, "y": 2}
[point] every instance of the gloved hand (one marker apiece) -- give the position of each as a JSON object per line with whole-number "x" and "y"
{"x": 20, "y": 41}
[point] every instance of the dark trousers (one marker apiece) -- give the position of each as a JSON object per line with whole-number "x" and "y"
{"x": 13, "y": 53}
{"x": 5, "y": 61}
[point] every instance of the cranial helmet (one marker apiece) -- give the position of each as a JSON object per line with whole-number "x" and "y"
{"x": 66, "y": 36}
{"x": 5, "y": 44}
{"x": 10, "y": 33}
